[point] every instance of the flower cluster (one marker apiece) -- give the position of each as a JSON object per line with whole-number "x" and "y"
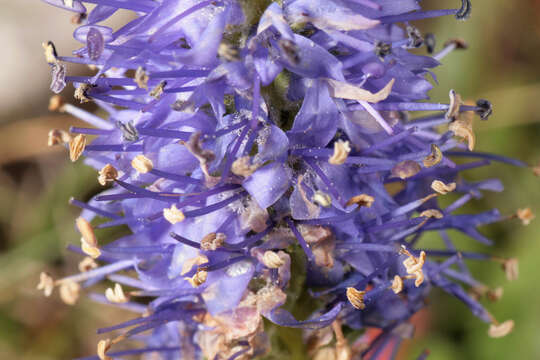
{"x": 262, "y": 152}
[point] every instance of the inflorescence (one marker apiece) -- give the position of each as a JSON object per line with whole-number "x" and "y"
{"x": 260, "y": 151}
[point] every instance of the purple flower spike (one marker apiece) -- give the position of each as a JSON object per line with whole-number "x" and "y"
{"x": 264, "y": 155}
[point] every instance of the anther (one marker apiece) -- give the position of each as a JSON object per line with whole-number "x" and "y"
{"x": 397, "y": 284}
{"x": 272, "y": 260}
{"x": 434, "y": 158}
{"x": 107, "y": 174}
{"x": 361, "y": 200}
{"x": 495, "y": 294}
{"x": 213, "y": 241}
{"x": 430, "y": 42}
{"x": 46, "y": 283}
{"x": 141, "y": 78}
{"x": 158, "y": 89}
{"x": 431, "y": 213}
{"x": 497, "y": 330}
{"x": 78, "y": 18}
{"x": 483, "y": 108}
{"x": 341, "y": 152}
{"x": 102, "y": 347}
{"x": 443, "y": 188}
{"x": 462, "y": 127}
{"x": 173, "y": 215}
{"x": 89, "y": 243}
{"x": 464, "y": 11}
{"x": 322, "y": 199}
{"x": 129, "y": 131}
{"x": 58, "y": 137}
{"x": 56, "y": 103}
{"x": 356, "y": 298}
{"x": 69, "y": 292}
{"x": 405, "y": 169}
{"x": 51, "y": 56}
{"x": 415, "y": 37}
{"x": 142, "y": 164}
{"x": 87, "y": 264}
{"x": 243, "y": 167}
{"x": 382, "y": 49}
{"x": 198, "y": 279}
{"x": 525, "y": 215}
{"x": 76, "y": 147}
{"x": 511, "y": 269}
{"x": 80, "y": 93}
{"x": 116, "y": 295}
{"x": 414, "y": 265}
{"x": 453, "y": 108}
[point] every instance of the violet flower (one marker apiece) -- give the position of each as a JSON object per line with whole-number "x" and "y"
{"x": 259, "y": 151}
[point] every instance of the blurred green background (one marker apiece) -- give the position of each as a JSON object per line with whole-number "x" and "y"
{"x": 36, "y": 222}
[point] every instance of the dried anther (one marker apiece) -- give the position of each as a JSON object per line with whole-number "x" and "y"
{"x": 142, "y": 164}
{"x": 356, "y": 298}
{"x": 406, "y": 169}
{"x": 89, "y": 243}
{"x": 102, "y": 347}
{"x": 464, "y": 11}
{"x": 511, "y": 269}
{"x": 495, "y": 294}
{"x": 322, "y": 199}
{"x": 397, "y": 284}
{"x": 434, "y": 158}
{"x": 443, "y": 188}
{"x": 51, "y": 56}
{"x": 87, "y": 264}
{"x": 198, "y": 279}
{"x": 414, "y": 265}
{"x": 58, "y": 137}
{"x": 272, "y": 259}
{"x": 431, "y": 213}
{"x": 500, "y": 330}
{"x": 484, "y": 109}
{"x": 415, "y": 37}
{"x": 46, "y": 283}
{"x": 76, "y": 147}
{"x": 81, "y": 93}
{"x": 341, "y": 152}
{"x": 243, "y": 167}
{"x": 462, "y": 127}
{"x": 56, "y": 103}
{"x": 361, "y": 200}
{"x": 129, "y": 131}
{"x": 525, "y": 215}
{"x": 69, "y": 292}
{"x": 213, "y": 241}
{"x": 453, "y": 107}
{"x": 116, "y": 295}
{"x": 457, "y": 43}
{"x": 107, "y": 174}
{"x": 141, "y": 78}
{"x": 173, "y": 215}
{"x": 158, "y": 90}
{"x": 382, "y": 49}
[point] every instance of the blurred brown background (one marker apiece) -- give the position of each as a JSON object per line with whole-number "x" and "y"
{"x": 36, "y": 222}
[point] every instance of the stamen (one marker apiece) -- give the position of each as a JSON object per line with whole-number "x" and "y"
{"x": 76, "y": 147}
{"x": 453, "y": 108}
{"x": 129, "y": 132}
{"x": 213, "y": 241}
{"x": 462, "y": 127}
{"x": 356, "y": 298}
{"x": 415, "y": 37}
{"x": 46, "y": 283}
{"x": 525, "y": 215}
{"x": 198, "y": 279}
{"x": 341, "y": 151}
{"x": 450, "y": 46}
{"x": 361, "y": 200}
{"x": 322, "y": 199}
{"x": 69, "y": 292}
{"x": 495, "y": 294}
{"x": 405, "y": 169}
{"x": 272, "y": 260}
{"x": 511, "y": 268}
{"x": 142, "y": 164}
{"x": 81, "y": 93}
{"x": 501, "y": 330}
{"x": 414, "y": 265}
{"x": 443, "y": 188}
{"x": 58, "y": 137}
{"x": 382, "y": 49}
{"x": 56, "y": 102}
{"x": 434, "y": 158}
{"x": 51, "y": 56}
{"x": 102, "y": 347}
{"x": 158, "y": 89}
{"x": 107, "y": 174}
{"x": 89, "y": 243}
{"x": 116, "y": 295}
{"x": 173, "y": 215}
{"x": 464, "y": 11}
